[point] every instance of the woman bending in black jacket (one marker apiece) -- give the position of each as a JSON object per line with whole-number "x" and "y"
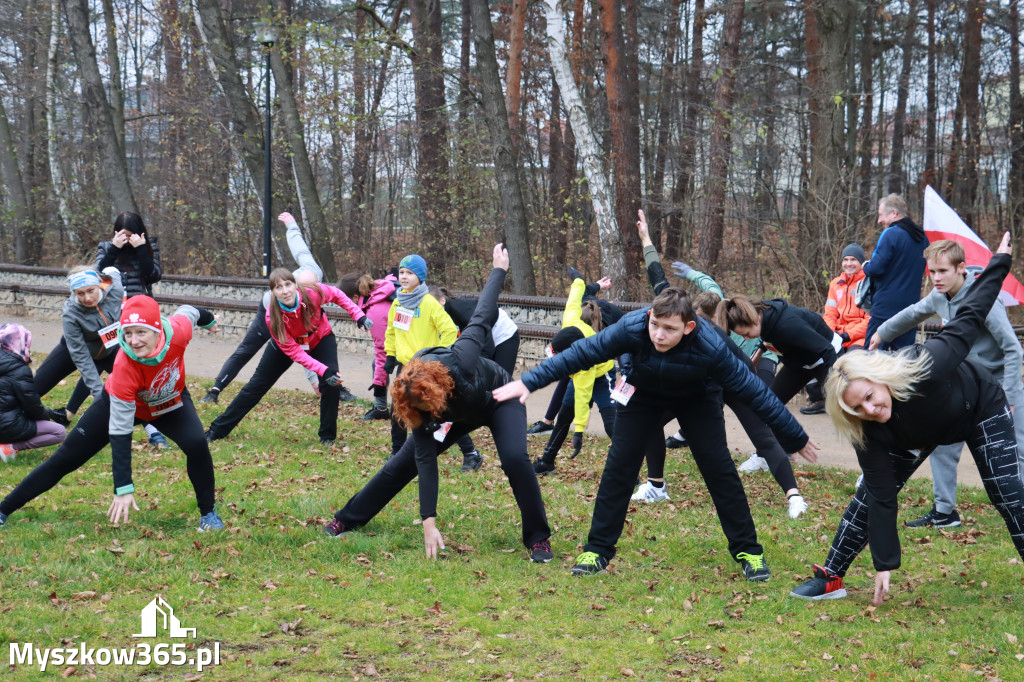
{"x": 895, "y": 409}
{"x": 442, "y": 394}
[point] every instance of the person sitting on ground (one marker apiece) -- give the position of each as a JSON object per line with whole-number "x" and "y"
{"x": 896, "y": 409}
{"x": 24, "y": 422}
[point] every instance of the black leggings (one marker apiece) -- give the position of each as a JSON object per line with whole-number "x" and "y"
{"x": 993, "y": 445}
{"x": 791, "y": 378}
{"x": 90, "y": 435}
{"x": 702, "y": 420}
{"x": 59, "y": 365}
{"x": 256, "y": 336}
{"x": 508, "y": 426}
{"x": 506, "y": 353}
{"x": 272, "y": 365}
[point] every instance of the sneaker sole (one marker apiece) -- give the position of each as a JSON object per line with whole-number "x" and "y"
{"x": 759, "y": 579}
{"x": 544, "y": 473}
{"x": 647, "y": 501}
{"x": 834, "y": 594}
{"x": 542, "y": 561}
{"x": 955, "y": 524}
{"x": 586, "y": 572}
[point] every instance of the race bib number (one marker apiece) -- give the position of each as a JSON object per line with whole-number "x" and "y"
{"x": 303, "y": 342}
{"x": 403, "y": 318}
{"x": 442, "y": 431}
{"x": 165, "y": 406}
{"x": 108, "y": 335}
{"x": 623, "y": 391}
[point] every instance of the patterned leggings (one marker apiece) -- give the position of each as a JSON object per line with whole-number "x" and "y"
{"x": 994, "y": 447}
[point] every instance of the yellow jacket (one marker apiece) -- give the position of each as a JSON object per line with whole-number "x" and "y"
{"x": 430, "y": 326}
{"x": 582, "y": 381}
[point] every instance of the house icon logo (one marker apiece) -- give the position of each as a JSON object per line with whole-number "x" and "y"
{"x": 159, "y": 616}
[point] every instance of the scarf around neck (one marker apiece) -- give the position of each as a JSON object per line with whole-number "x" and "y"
{"x": 412, "y": 299}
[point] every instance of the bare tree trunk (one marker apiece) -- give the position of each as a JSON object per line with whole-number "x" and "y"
{"x": 931, "y": 171}
{"x": 666, "y": 104}
{"x": 899, "y": 121}
{"x": 56, "y": 172}
{"x": 114, "y": 64}
{"x": 516, "y": 233}
{"x": 514, "y": 72}
{"x": 721, "y": 138}
{"x": 305, "y": 181}
{"x": 557, "y": 181}
{"x": 625, "y": 134}
{"x": 95, "y": 97}
{"x": 688, "y": 151}
{"x": 867, "y": 72}
{"x": 246, "y": 137}
{"x": 1016, "y": 182}
{"x": 361, "y": 136}
{"x": 965, "y": 179}
{"x": 465, "y": 93}
{"x": 432, "y": 134}
{"x": 15, "y": 194}
{"x": 608, "y": 233}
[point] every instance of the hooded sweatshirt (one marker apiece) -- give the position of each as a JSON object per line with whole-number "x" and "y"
{"x": 84, "y": 327}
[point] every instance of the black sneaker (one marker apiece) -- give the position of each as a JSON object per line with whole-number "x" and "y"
{"x": 327, "y": 442}
{"x": 471, "y": 461}
{"x": 539, "y": 426}
{"x": 817, "y": 407}
{"x": 60, "y": 416}
{"x": 344, "y": 394}
{"x": 157, "y": 440}
{"x": 590, "y": 563}
{"x": 209, "y": 436}
{"x": 541, "y": 552}
{"x": 672, "y": 443}
{"x": 335, "y": 529}
{"x": 3, "y": 521}
{"x": 824, "y": 585}
{"x": 376, "y": 413}
{"x": 936, "y": 519}
{"x": 754, "y": 567}
{"x": 542, "y": 468}
{"x": 211, "y": 396}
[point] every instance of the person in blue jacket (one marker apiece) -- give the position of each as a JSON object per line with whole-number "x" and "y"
{"x": 675, "y": 356}
{"x": 896, "y": 267}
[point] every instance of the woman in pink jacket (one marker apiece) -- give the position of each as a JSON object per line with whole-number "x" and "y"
{"x": 299, "y": 332}
{"x": 373, "y": 297}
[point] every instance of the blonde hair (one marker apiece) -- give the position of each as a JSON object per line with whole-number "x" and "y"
{"x": 898, "y": 372}
{"x": 952, "y": 251}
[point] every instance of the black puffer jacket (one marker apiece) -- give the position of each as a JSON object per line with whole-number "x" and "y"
{"x": 801, "y": 337}
{"x": 20, "y": 406}
{"x": 140, "y": 270}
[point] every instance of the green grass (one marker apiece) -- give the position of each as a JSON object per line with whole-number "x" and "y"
{"x": 285, "y": 601}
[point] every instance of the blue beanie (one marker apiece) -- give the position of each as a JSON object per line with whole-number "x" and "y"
{"x": 418, "y": 266}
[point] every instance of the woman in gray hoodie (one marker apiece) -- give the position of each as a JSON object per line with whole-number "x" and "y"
{"x": 89, "y": 344}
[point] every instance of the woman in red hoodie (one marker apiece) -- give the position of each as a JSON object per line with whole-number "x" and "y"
{"x": 299, "y": 332}
{"x": 374, "y": 297}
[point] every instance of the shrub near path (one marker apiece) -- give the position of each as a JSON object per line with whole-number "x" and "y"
{"x": 282, "y": 600}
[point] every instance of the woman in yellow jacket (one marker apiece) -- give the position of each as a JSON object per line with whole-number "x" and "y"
{"x": 417, "y": 321}
{"x": 588, "y": 386}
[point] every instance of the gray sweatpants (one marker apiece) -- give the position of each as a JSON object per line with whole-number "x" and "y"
{"x": 945, "y": 459}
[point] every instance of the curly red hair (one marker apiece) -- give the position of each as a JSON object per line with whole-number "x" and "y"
{"x": 421, "y": 382}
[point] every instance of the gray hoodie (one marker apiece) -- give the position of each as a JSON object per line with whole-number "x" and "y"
{"x": 996, "y": 348}
{"x": 81, "y": 330}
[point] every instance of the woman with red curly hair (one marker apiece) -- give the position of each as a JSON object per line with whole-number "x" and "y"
{"x": 443, "y": 393}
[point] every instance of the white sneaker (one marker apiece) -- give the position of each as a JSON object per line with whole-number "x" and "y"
{"x": 860, "y": 479}
{"x": 648, "y": 493}
{"x": 797, "y": 506}
{"x": 755, "y": 463}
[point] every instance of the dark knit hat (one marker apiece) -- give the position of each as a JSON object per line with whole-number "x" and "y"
{"x": 854, "y": 250}
{"x": 565, "y": 338}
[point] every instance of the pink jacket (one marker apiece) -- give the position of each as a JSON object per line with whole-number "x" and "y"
{"x": 376, "y": 306}
{"x": 299, "y": 336}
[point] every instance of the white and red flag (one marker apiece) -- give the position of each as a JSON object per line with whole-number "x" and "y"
{"x": 942, "y": 222}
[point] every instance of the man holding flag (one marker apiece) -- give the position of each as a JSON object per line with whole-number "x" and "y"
{"x": 995, "y": 350}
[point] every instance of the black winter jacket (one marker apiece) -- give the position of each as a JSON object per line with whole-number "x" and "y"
{"x": 139, "y": 270}
{"x": 801, "y": 337}
{"x": 20, "y": 406}
{"x": 689, "y": 370}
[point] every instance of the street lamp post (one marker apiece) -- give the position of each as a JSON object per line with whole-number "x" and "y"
{"x": 266, "y": 34}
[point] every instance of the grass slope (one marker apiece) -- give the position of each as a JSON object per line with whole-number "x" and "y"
{"x": 284, "y": 601}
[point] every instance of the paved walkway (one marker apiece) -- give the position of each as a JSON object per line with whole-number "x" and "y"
{"x": 208, "y": 351}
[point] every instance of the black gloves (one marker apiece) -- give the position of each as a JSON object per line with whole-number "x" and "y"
{"x": 59, "y": 416}
{"x": 389, "y": 364}
{"x": 574, "y": 274}
{"x": 365, "y": 323}
{"x": 845, "y": 337}
{"x": 577, "y": 444}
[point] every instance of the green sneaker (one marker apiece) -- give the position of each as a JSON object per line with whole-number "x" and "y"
{"x": 589, "y": 563}
{"x": 754, "y": 567}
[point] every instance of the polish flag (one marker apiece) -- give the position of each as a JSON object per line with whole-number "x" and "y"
{"x": 942, "y": 222}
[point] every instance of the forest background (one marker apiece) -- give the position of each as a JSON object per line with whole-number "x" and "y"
{"x": 758, "y": 136}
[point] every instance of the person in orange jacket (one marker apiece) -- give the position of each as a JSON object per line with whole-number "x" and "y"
{"x": 842, "y": 316}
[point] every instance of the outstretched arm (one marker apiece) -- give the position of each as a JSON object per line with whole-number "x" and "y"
{"x": 475, "y": 334}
